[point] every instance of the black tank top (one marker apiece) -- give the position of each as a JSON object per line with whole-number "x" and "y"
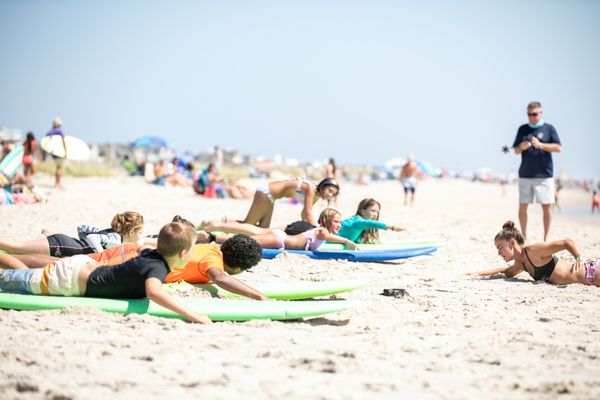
{"x": 543, "y": 272}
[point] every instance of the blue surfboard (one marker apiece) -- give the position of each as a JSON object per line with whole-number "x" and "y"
{"x": 358, "y": 256}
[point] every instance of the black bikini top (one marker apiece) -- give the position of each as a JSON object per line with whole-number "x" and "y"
{"x": 543, "y": 272}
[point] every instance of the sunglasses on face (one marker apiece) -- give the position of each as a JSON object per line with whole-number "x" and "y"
{"x": 533, "y": 114}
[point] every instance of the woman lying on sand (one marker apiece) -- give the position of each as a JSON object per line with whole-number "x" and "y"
{"x": 539, "y": 261}
{"x": 330, "y": 221}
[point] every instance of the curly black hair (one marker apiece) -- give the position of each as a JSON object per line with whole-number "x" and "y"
{"x": 241, "y": 251}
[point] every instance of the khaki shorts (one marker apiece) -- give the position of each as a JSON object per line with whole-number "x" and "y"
{"x": 60, "y": 278}
{"x": 536, "y": 190}
{"x": 59, "y": 161}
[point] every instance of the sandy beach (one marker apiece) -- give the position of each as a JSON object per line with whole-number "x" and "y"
{"x": 451, "y": 337}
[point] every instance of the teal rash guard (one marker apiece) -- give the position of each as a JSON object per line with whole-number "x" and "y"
{"x": 354, "y": 226}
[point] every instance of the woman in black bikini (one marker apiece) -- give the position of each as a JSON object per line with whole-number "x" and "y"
{"x": 539, "y": 261}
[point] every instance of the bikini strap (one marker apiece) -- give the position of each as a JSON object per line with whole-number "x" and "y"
{"x": 528, "y": 259}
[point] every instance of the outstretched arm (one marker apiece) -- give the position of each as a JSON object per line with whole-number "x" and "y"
{"x": 511, "y": 271}
{"x": 323, "y": 234}
{"x": 155, "y": 293}
{"x": 231, "y": 284}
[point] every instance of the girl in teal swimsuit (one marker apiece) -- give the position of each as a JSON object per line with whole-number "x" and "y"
{"x": 364, "y": 226}
{"x": 539, "y": 259}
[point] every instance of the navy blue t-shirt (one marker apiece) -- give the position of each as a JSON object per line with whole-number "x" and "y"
{"x": 127, "y": 280}
{"x": 536, "y": 163}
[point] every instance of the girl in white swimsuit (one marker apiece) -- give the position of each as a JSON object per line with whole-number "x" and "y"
{"x": 330, "y": 222}
{"x": 261, "y": 210}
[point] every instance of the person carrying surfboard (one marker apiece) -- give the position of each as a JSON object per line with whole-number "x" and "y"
{"x": 137, "y": 278}
{"x": 59, "y": 161}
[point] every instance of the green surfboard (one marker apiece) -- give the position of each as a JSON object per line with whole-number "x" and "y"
{"x": 279, "y": 290}
{"x": 215, "y": 309}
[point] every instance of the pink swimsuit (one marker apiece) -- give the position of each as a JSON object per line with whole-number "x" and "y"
{"x": 591, "y": 266}
{"x": 312, "y": 243}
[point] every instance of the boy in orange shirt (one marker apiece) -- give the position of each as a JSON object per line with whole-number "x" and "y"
{"x": 208, "y": 263}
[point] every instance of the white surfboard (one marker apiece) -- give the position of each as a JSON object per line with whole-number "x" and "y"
{"x": 77, "y": 149}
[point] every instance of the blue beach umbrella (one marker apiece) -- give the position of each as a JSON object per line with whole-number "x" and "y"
{"x": 150, "y": 142}
{"x": 428, "y": 168}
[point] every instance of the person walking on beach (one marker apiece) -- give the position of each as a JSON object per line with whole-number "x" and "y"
{"x": 535, "y": 142}
{"x": 29, "y": 147}
{"x": 59, "y": 161}
{"x": 408, "y": 177}
{"x": 595, "y": 202}
{"x": 330, "y": 170}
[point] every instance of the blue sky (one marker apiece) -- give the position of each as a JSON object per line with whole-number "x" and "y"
{"x": 362, "y": 81}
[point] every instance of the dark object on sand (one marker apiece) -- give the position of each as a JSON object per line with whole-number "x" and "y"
{"x": 397, "y": 293}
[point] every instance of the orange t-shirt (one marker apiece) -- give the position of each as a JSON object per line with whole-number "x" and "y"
{"x": 116, "y": 255}
{"x": 204, "y": 257}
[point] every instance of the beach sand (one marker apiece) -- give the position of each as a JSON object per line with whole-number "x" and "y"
{"x": 451, "y": 336}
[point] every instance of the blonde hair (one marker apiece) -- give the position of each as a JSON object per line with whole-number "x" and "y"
{"x": 326, "y": 217}
{"x": 509, "y": 231}
{"x": 173, "y": 238}
{"x": 126, "y": 223}
{"x": 56, "y": 122}
{"x": 368, "y": 236}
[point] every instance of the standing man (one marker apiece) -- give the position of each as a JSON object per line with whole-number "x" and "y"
{"x": 408, "y": 177}
{"x": 59, "y": 161}
{"x": 535, "y": 142}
